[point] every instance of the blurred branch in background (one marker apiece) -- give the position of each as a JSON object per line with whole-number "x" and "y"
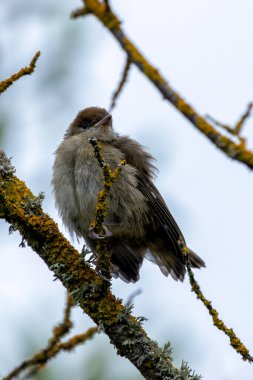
{"x": 41, "y": 358}
{"x": 109, "y": 19}
{"x": 37, "y": 362}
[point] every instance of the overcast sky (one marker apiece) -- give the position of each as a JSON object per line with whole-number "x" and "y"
{"x": 204, "y": 49}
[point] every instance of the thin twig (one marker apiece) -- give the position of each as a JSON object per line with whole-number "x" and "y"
{"x": 24, "y": 71}
{"x": 107, "y": 4}
{"x": 227, "y": 127}
{"x": 69, "y": 345}
{"x": 232, "y": 130}
{"x": 132, "y": 296}
{"x": 64, "y": 327}
{"x": 234, "y": 340}
{"x": 79, "y": 12}
{"x": 243, "y": 118}
{"x": 237, "y": 129}
{"x": 121, "y": 83}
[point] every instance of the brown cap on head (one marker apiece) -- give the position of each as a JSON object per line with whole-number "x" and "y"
{"x": 87, "y": 118}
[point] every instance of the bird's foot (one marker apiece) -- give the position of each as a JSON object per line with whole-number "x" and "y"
{"x": 97, "y": 270}
{"x": 94, "y": 235}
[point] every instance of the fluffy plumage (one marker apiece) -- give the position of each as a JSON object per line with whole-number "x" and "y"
{"x": 138, "y": 218}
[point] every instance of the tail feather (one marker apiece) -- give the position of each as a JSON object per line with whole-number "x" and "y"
{"x": 195, "y": 260}
{"x": 126, "y": 262}
{"x": 126, "y": 259}
{"x": 171, "y": 263}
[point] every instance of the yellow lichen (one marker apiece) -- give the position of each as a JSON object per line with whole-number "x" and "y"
{"x": 24, "y": 71}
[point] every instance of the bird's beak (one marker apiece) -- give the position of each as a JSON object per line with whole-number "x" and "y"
{"x": 105, "y": 122}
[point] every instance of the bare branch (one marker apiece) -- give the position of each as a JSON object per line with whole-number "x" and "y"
{"x": 237, "y": 129}
{"x": 107, "y": 4}
{"x": 68, "y": 346}
{"x": 24, "y": 71}
{"x": 227, "y": 127}
{"x": 242, "y": 120}
{"x": 64, "y": 327}
{"x": 121, "y": 83}
{"x": 80, "y": 12}
{"x": 132, "y": 296}
{"x": 112, "y": 23}
{"x": 42, "y": 357}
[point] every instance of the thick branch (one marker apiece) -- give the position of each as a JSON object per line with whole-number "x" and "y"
{"x": 112, "y": 23}
{"x": 20, "y": 208}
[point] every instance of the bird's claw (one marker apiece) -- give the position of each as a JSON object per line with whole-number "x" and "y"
{"x": 94, "y": 235}
{"x": 101, "y": 275}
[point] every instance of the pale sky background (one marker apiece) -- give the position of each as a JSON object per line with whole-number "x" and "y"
{"x": 204, "y": 49}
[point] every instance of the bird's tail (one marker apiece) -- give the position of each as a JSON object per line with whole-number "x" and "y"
{"x": 195, "y": 260}
{"x": 126, "y": 261}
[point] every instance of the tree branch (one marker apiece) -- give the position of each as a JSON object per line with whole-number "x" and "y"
{"x": 54, "y": 346}
{"x": 79, "y": 12}
{"x": 24, "y": 71}
{"x": 235, "y": 342}
{"x": 20, "y": 208}
{"x": 112, "y": 23}
{"x": 237, "y": 129}
{"x": 121, "y": 83}
{"x": 39, "y": 361}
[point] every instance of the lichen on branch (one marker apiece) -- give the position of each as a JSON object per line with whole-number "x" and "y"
{"x": 24, "y": 71}
{"x": 109, "y": 19}
{"x": 124, "y": 331}
{"x": 97, "y": 225}
{"x": 235, "y": 342}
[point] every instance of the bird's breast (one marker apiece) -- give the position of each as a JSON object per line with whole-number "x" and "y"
{"x": 77, "y": 179}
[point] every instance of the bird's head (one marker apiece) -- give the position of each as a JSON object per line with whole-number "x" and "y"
{"x": 93, "y": 121}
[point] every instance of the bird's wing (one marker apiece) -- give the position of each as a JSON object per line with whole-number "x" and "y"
{"x": 141, "y": 160}
{"x": 163, "y": 236}
{"x": 162, "y": 230}
{"x": 160, "y": 212}
{"x": 163, "y": 233}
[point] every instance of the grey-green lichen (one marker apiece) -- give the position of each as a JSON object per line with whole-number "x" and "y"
{"x": 6, "y": 167}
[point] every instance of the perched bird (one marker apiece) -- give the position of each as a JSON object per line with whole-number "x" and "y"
{"x": 139, "y": 222}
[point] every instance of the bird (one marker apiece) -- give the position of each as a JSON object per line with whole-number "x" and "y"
{"x": 139, "y": 224}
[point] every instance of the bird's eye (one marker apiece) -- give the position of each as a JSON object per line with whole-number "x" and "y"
{"x": 85, "y": 124}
